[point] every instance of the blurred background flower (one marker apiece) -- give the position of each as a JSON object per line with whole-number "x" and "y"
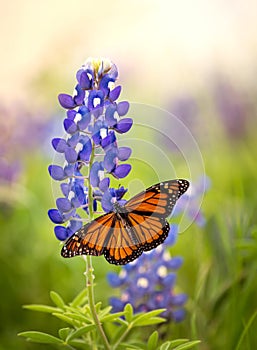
{"x": 149, "y": 282}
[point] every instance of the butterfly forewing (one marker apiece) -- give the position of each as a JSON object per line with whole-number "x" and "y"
{"x": 159, "y": 199}
{"x": 124, "y": 234}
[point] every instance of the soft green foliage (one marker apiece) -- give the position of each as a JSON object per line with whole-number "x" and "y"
{"x": 83, "y": 333}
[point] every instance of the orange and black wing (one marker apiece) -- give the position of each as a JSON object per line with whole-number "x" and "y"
{"x": 147, "y": 212}
{"x": 143, "y": 221}
{"x": 109, "y": 235}
{"x": 139, "y": 226}
{"x": 91, "y": 238}
{"x": 158, "y": 200}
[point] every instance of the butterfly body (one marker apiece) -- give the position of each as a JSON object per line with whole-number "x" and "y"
{"x": 124, "y": 233}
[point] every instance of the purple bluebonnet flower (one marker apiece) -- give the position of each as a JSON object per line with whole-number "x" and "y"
{"x": 148, "y": 283}
{"x": 190, "y": 203}
{"x": 90, "y": 147}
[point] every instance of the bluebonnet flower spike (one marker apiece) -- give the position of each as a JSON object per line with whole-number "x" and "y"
{"x": 93, "y": 118}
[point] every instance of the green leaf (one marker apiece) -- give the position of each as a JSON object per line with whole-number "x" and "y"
{"x": 40, "y": 337}
{"x": 80, "y": 331}
{"x": 42, "y": 308}
{"x": 188, "y": 345}
{"x": 118, "y": 332}
{"x": 112, "y": 317}
{"x": 176, "y": 342}
{"x": 98, "y": 307}
{"x": 57, "y": 299}
{"x": 152, "y": 341}
{"x": 80, "y": 344}
{"x": 149, "y": 321}
{"x": 165, "y": 346}
{"x": 66, "y": 319}
{"x": 80, "y": 299}
{"x": 246, "y": 329}
{"x": 105, "y": 311}
{"x": 64, "y": 332}
{"x": 128, "y": 309}
{"x": 78, "y": 317}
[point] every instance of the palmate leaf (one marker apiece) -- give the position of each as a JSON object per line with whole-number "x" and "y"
{"x": 40, "y": 337}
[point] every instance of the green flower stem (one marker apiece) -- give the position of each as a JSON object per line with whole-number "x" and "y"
{"x": 89, "y": 273}
{"x": 123, "y": 336}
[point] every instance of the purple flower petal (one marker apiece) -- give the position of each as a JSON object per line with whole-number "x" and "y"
{"x": 124, "y": 153}
{"x": 85, "y": 120}
{"x": 110, "y": 160}
{"x": 75, "y": 225}
{"x": 61, "y": 233}
{"x": 106, "y": 202}
{"x": 66, "y": 101}
{"x": 104, "y": 184}
{"x": 104, "y": 83}
{"x": 109, "y": 140}
{"x": 79, "y": 98}
{"x": 121, "y": 171}
{"x": 69, "y": 170}
{"x": 71, "y": 155}
{"x": 71, "y": 114}
{"x": 65, "y": 189}
{"x": 56, "y": 172}
{"x": 174, "y": 263}
{"x": 73, "y": 140}
{"x": 59, "y": 145}
{"x": 179, "y": 299}
{"x": 83, "y": 79}
{"x": 115, "y": 93}
{"x": 94, "y": 174}
{"x": 123, "y": 125}
{"x": 109, "y": 115}
{"x": 114, "y": 279}
{"x": 95, "y": 99}
{"x": 63, "y": 205}
{"x": 117, "y": 304}
{"x": 122, "y": 108}
{"x": 178, "y": 315}
{"x": 55, "y": 216}
{"x": 86, "y": 151}
{"x": 169, "y": 280}
{"x": 69, "y": 126}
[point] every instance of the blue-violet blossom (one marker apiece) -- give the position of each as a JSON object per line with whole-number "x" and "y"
{"x": 93, "y": 119}
{"x": 148, "y": 282}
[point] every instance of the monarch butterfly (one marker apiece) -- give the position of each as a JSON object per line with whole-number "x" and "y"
{"x": 123, "y": 234}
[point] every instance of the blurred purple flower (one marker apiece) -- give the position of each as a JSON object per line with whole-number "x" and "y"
{"x": 148, "y": 283}
{"x": 234, "y": 108}
{"x": 20, "y": 132}
{"x": 92, "y": 120}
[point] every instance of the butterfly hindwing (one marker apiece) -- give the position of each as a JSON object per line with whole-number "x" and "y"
{"x": 123, "y": 235}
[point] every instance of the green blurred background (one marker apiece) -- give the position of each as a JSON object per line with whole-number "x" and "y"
{"x": 196, "y": 59}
